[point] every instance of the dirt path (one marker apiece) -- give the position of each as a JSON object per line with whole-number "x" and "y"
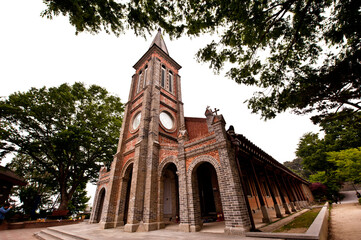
{"x": 345, "y": 221}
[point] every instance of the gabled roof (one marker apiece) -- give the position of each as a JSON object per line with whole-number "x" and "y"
{"x": 159, "y": 41}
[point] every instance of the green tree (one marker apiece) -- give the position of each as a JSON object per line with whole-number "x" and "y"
{"x": 341, "y": 133}
{"x": 68, "y": 131}
{"x": 348, "y": 163}
{"x": 40, "y": 185}
{"x": 330, "y": 180}
{"x": 303, "y": 55}
{"x": 297, "y": 167}
{"x": 79, "y": 201}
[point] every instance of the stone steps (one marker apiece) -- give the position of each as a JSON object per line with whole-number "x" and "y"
{"x": 54, "y": 234}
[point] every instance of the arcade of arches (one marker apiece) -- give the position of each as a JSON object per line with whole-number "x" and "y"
{"x": 172, "y": 169}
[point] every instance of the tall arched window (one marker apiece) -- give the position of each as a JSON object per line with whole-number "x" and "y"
{"x": 139, "y": 81}
{"x": 170, "y": 81}
{"x": 162, "y": 82}
{"x": 145, "y": 76}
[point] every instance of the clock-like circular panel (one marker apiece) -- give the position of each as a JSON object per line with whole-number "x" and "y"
{"x": 136, "y": 120}
{"x": 167, "y": 120}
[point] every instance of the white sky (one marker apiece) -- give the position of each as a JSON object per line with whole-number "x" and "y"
{"x": 37, "y": 52}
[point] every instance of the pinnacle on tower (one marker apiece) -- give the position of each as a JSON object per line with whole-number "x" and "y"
{"x": 159, "y": 41}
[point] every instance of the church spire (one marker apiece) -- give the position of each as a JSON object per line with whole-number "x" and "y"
{"x": 159, "y": 41}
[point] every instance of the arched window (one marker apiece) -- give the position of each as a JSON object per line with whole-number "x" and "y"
{"x": 145, "y": 76}
{"x": 162, "y": 82}
{"x": 170, "y": 81}
{"x": 139, "y": 81}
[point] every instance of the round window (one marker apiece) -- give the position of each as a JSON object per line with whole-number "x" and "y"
{"x": 136, "y": 120}
{"x": 167, "y": 120}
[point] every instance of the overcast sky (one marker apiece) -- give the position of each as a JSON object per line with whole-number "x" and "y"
{"x": 37, "y": 52}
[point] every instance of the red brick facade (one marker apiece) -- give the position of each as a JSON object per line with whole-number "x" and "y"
{"x": 172, "y": 168}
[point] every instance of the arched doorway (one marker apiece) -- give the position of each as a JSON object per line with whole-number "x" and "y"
{"x": 128, "y": 181}
{"x": 170, "y": 194}
{"x": 100, "y": 205}
{"x": 208, "y": 192}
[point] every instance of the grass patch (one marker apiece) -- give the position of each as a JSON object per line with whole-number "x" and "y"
{"x": 303, "y": 221}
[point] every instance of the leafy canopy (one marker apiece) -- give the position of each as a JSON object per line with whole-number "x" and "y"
{"x": 334, "y": 158}
{"x": 40, "y": 185}
{"x": 303, "y": 55}
{"x": 341, "y": 133}
{"x": 297, "y": 167}
{"x": 348, "y": 163}
{"x": 67, "y": 131}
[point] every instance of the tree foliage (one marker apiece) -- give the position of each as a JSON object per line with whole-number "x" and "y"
{"x": 297, "y": 167}
{"x": 332, "y": 156}
{"x": 303, "y": 55}
{"x": 40, "y": 185}
{"x": 348, "y": 163}
{"x": 67, "y": 131}
{"x": 318, "y": 190}
{"x": 78, "y": 202}
{"x": 341, "y": 133}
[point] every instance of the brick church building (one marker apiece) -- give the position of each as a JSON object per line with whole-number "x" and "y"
{"x": 169, "y": 168}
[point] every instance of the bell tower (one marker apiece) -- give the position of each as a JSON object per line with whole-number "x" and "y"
{"x": 153, "y": 117}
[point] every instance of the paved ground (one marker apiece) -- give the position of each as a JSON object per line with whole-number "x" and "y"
{"x": 19, "y": 234}
{"x": 345, "y": 221}
{"x": 345, "y": 225}
{"x": 94, "y": 233}
{"x": 349, "y": 196}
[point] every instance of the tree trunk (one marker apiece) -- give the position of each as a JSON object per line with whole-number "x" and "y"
{"x": 66, "y": 196}
{"x": 63, "y": 204}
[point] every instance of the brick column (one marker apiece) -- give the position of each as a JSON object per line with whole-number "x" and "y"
{"x": 136, "y": 200}
{"x": 232, "y": 196}
{"x": 152, "y": 161}
{"x": 184, "y": 225}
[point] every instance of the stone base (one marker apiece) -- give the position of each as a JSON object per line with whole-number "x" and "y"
{"x": 184, "y": 227}
{"x": 287, "y": 210}
{"x": 143, "y": 227}
{"x": 278, "y": 211}
{"x": 266, "y": 218}
{"x": 293, "y": 209}
{"x": 106, "y": 225}
{"x": 150, "y": 226}
{"x": 195, "y": 228}
{"x": 131, "y": 227}
{"x": 161, "y": 225}
{"x": 235, "y": 231}
{"x": 119, "y": 224}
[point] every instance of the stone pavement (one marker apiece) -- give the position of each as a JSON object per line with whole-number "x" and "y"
{"x": 349, "y": 196}
{"x": 92, "y": 232}
{"x": 19, "y": 234}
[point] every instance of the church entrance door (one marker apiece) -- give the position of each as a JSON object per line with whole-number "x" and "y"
{"x": 208, "y": 189}
{"x": 100, "y": 205}
{"x": 127, "y": 194}
{"x": 170, "y": 194}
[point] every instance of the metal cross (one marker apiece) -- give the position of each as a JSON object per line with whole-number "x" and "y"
{"x": 215, "y": 111}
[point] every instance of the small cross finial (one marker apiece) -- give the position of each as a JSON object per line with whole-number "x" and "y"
{"x": 216, "y": 111}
